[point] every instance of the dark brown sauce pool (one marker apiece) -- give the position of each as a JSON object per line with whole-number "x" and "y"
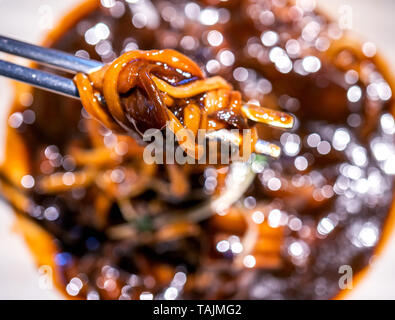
{"x": 329, "y": 193}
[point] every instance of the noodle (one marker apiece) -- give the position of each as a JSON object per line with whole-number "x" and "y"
{"x": 150, "y": 80}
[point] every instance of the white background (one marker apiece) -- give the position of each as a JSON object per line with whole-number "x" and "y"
{"x": 25, "y": 20}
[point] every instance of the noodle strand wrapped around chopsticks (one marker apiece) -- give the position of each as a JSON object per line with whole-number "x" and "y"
{"x": 141, "y": 90}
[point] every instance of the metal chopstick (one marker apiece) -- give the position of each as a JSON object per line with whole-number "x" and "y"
{"x": 46, "y": 56}
{"x": 40, "y": 79}
{"x": 51, "y": 57}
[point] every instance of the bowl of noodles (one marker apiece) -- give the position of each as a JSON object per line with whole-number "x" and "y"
{"x": 110, "y": 225}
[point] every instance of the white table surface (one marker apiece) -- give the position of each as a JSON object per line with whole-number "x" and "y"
{"x": 26, "y": 19}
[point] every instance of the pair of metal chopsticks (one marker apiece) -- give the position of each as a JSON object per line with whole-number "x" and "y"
{"x": 45, "y": 56}
{"x": 65, "y": 86}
